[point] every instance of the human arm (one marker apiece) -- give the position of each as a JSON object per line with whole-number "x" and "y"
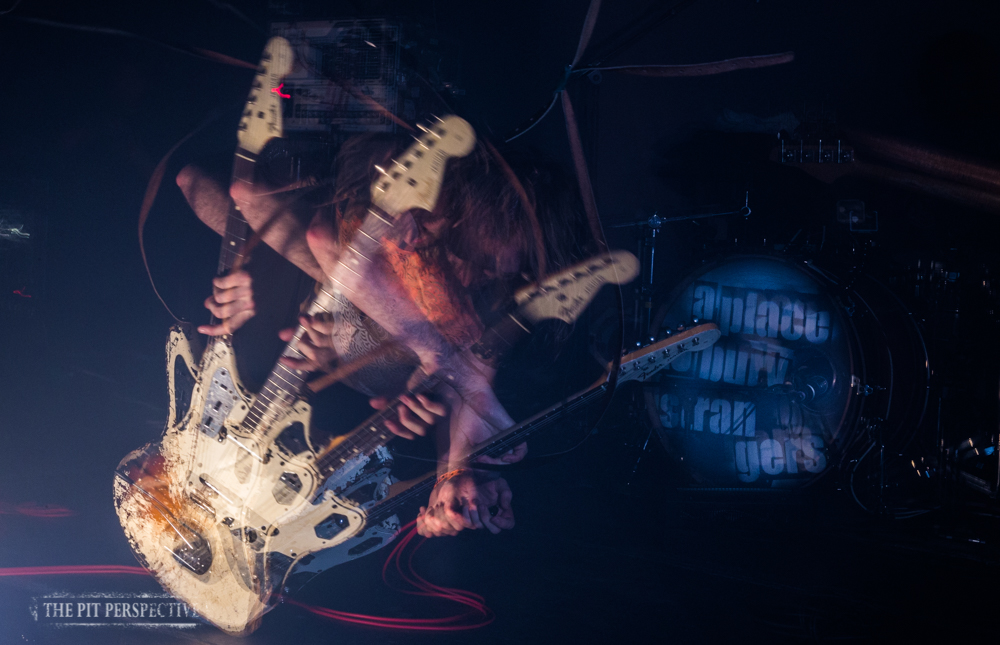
{"x": 365, "y": 278}
{"x": 280, "y": 227}
{"x": 232, "y": 295}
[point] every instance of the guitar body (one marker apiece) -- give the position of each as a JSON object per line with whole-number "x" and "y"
{"x": 201, "y": 508}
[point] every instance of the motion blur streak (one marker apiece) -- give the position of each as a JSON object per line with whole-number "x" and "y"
{"x": 479, "y": 615}
{"x": 33, "y": 510}
{"x": 86, "y": 569}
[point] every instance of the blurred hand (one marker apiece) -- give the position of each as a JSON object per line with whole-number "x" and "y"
{"x": 460, "y": 503}
{"x": 417, "y": 415}
{"x": 231, "y": 302}
{"x": 315, "y": 344}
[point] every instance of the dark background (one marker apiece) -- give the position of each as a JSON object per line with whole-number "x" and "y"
{"x": 600, "y": 552}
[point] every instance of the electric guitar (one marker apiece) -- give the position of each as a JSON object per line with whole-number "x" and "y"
{"x": 377, "y": 524}
{"x": 190, "y": 505}
{"x": 639, "y": 365}
{"x": 225, "y": 532}
{"x": 204, "y": 508}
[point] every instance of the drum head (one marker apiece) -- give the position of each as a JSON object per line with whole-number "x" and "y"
{"x": 767, "y": 404}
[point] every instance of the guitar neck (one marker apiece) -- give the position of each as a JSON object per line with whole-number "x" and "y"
{"x": 512, "y": 327}
{"x": 371, "y": 435}
{"x": 412, "y": 182}
{"x": 636, "y": 366}
{"x": 284, "y": 384}
{"x": 497, "y": 446}
{"x": 237, "y": 230}
{"x": 368, "y": 437}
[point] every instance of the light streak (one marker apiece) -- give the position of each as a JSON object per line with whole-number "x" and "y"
{"x": 478, "y": 614}
{"x": 277, "y": 90}
{"x": 32, "y": 510}
{"x": 84, "y": 569}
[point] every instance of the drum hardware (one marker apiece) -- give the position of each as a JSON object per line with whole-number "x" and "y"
{"x": 864, "y": 389}
{"x": 873, "y": 430}
{"x": 642, "y": 330}
{"x": 826, "y": 158}
{"x": 801, "y": 151}
{"x": 976, "y": 463}
{"x": 852, "y": 212}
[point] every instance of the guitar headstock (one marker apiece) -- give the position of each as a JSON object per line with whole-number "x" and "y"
{"x": 413, "y": 180}
{"x": 565, "y": 294}
{"x": 645, "y": 362}
{"x": 261, "y": 120}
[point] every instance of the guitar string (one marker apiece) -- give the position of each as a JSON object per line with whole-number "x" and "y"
{"x": 377, "y": 227}
{"x": 371, "y": 441}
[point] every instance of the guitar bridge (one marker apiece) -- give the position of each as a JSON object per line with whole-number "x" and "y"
{"x": 192, "y": 551}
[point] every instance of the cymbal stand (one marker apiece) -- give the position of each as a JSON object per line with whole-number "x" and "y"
{"x": 643, "y": 331}
{"x": 642, "y": 328}
{"x": 643, "y": 310}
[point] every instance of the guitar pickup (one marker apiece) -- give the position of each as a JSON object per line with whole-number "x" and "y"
{"x": 201, "y": 500}
{"x": 219, "y": 402}
{"x": 211, "y": 489}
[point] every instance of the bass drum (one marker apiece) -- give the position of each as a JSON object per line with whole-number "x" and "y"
{"x": 810, "y": 371}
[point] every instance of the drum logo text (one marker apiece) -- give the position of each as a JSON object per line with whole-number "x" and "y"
{"x": 766, "y": 314}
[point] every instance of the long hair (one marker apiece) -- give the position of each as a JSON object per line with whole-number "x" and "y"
{"x": 496, "y": 204}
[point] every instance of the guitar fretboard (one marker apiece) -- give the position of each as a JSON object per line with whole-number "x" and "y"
{"x": 237, "y": 229}
{"x": 284, "y": 384}
{"x": 370, "y": 435}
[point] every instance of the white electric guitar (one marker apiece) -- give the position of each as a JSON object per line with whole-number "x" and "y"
{"x": 234, "y": 497}
{"x": 227, "y": 533}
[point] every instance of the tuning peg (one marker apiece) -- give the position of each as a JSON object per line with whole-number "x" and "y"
{"x": 695, "y": 321}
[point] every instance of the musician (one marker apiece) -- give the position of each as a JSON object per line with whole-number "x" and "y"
{"x": 414, "y": 302}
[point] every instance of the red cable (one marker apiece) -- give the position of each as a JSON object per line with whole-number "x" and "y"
{"x": 89, "y": 569}
{"x": 478, "y": 615}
